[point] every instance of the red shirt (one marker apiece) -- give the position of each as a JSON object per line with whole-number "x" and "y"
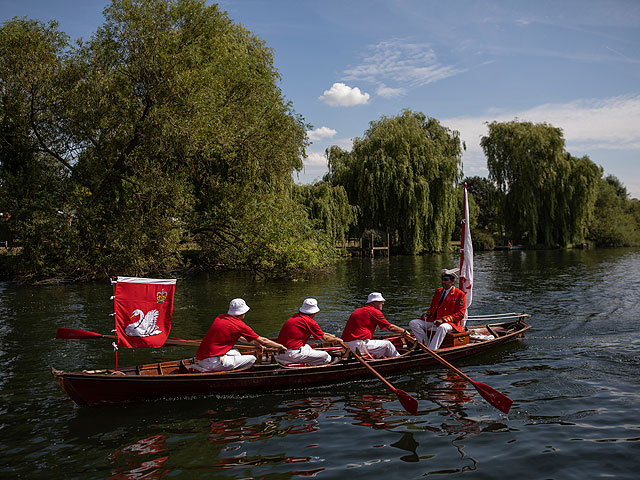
{"x": 223, "y": 334}
{"x": 296, "y": 331}
{"x": 362, "y": 323}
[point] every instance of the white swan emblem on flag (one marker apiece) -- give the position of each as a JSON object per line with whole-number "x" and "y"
{"x": 146, "y": 326}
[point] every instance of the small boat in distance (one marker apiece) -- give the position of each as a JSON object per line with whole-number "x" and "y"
{"x": 509, "y": 247}
{"x": 176, "y": 379}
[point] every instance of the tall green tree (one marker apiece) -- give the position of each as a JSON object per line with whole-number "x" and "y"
{"x": 34, "y": 166}
{"x": 486, "y": 197}
{"x": 329, "y": 207}
{"x": 402, "y": 175}
{"x": 616, "y": 219}
{"x": 547, "y": 195}
{"x": 167, "y": 126}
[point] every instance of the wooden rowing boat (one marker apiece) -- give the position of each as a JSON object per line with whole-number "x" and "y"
{"x": 176, "y": 379}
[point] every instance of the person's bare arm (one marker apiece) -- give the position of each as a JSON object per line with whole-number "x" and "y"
{"x": 270, "y": 344}
{"x": 395, "y": 329}
{"x": 328, "y": 337}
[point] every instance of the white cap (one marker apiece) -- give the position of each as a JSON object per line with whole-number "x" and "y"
{"x": 238, "y": 306}
{"x": 452, "y": 272}
{"x": 375, "y": 297}
{"x": 310, "y": 305}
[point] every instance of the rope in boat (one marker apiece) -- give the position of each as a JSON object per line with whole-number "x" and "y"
{"x": 496, "y": 316}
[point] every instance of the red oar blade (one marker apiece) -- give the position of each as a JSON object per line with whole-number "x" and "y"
{"x": 494, "y": 397}
{"x": 409, "y": 403}
{"x": 76, "y": 334}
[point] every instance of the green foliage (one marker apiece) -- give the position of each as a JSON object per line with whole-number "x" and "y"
{"x": 329, "y": 207}
{"x": 33, "y": 185}
{"x": 482, "y": 240}
{"x": 616, "y": 220}
{"x": 402, "y": 175}
{"x": 270, "y": 236}
{"x": 486, "y": 197}
{"x": 167, "y": 126}
{"x": 474, "y": 212}
{"x": 547, "y": 195}
{"x": 620, "y": 189}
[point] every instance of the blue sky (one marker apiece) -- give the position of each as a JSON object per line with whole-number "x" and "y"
{"x": 574, "y": 64}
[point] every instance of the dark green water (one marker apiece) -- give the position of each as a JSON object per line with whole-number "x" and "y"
{"x": 575, "y": 381}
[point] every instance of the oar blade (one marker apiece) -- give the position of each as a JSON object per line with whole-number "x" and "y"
{"x": 73, "y": 333}
{"x": 494, "y": 397}
{"x": 409, "y": 403}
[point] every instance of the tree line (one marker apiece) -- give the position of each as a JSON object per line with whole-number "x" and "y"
{"x": 164, "y": 142}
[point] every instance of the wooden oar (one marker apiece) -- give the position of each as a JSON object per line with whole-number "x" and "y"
{"x": 409, "y": 403}
{"x": 491, "y": 395}
{"x": 72, "y": 333}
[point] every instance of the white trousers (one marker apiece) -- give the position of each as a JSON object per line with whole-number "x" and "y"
{"x": 232, "y": 360}
{"x": 425, "y": 330}
{"x": 375, "y": 348}
{"x": 304, "y": 354}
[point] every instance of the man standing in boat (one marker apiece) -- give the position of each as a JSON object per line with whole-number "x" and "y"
{"x": 445, "y": 314}
{"x": 296, "y": 332}
{"x": 358, "y": 332}
{"x": 216, "y": 352}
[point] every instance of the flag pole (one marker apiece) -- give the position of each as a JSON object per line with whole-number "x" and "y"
{"x": 465, "y": 282}
{"x": 114, "y": 282}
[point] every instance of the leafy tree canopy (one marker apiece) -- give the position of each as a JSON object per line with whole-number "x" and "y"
{"x": 547, "y": 195}
{"x": 329, "y": 207}
{"x": 402, "y": 175}
{"x": 616, "y": 220}
{"x": 166, "y": 127}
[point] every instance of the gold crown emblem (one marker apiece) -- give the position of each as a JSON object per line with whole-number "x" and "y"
{"x": 161, "y": 295}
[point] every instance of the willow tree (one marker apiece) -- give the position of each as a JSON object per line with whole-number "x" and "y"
{"x": 402, "y": 175}
{"x": 170, "y": 126}
{"x": 547, "y": 195}
{"x": 329, "y": 207}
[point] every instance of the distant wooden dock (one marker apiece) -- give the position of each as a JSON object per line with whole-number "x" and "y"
{"x": 365, "y": 246}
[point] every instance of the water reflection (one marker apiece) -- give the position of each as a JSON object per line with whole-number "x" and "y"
{"x": 232, "y": 437}
{"x": 574, "y": 380}
{"x": 408, "y": 444}
{"x": 134, "y": 465}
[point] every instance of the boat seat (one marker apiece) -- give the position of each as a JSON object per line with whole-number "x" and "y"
{"x": 184, "y": 368}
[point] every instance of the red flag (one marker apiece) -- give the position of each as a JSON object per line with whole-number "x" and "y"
{"x": 466, "y": 255}
{"x": 143, "y": 309}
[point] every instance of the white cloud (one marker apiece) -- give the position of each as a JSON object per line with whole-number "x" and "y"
{"x": 402, "y": 62}
{"x": 342, "y": 95}
{"x": 315, "y": 159}
{"x": 344, "y": 143}
{"x": 588, "y": 125}
{"x": 388, "y": 92}
{"x": 320, "y": 133}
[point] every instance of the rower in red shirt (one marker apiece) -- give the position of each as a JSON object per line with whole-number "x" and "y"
{"x": 445, "y": 314}
{"x": 216, "y": 352}
{"x": 296, "y": 332}
{"x": 358, "y": 332}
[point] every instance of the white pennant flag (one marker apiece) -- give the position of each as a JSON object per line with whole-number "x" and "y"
{"x": 466, "y": 256}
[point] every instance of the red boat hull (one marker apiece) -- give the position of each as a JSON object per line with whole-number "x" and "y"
{"x": 170, "y": 379}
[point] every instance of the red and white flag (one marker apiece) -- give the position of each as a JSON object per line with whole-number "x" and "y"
{"x": 143, "y": 309}
{"x": 466, "y": 255}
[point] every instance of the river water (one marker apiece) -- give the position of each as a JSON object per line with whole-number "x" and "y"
{"x": 574, "y": 380}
